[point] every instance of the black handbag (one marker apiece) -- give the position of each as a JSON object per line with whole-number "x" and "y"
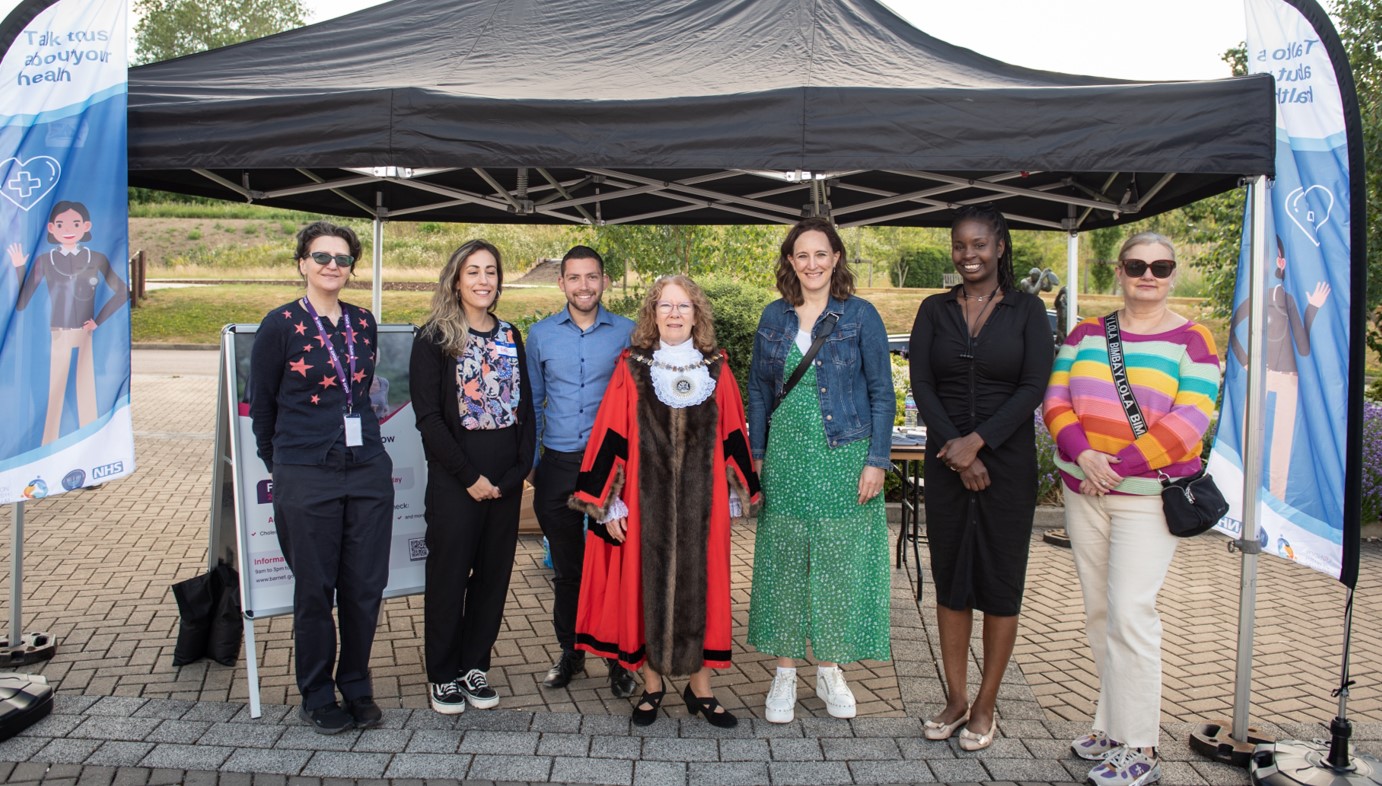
{"x": 1192, "y": 504}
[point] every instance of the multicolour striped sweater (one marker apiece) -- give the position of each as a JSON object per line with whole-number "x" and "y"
{"x": 1175, "y": 376}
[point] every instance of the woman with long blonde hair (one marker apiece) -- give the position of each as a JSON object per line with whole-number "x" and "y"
{"x": 475, "y": 411}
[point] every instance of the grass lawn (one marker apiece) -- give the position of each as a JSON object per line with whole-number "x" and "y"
{"x": 195, "y": 315}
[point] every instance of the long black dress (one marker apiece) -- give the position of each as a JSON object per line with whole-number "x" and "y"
{"x": 991, "y": 384}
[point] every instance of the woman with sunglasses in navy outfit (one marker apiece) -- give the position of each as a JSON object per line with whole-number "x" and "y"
{"x": 310, "y": 375}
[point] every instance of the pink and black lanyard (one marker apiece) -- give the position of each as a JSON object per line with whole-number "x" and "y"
{"x": 335, "y": 360}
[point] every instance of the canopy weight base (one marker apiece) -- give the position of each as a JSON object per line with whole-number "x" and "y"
{"x": 1293, "y": 762}
{"x": 1213, "y": 740}
{"x": 1056, "y": 537}
{"x": 31, "y": 648}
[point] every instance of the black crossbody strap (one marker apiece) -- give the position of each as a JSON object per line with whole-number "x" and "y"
{"x": 827, "y": 327}
{"x": 1120, "y": 376}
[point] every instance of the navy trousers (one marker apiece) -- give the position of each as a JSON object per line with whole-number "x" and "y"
{"x": 335, "y": 523}
{"x": 565, "y": 530}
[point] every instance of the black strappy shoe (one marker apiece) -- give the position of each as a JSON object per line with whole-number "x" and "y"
{"x": 707, "y": 707}
{"x": 642, "y": 717}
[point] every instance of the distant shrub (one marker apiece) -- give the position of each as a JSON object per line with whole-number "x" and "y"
{"x": 737, "y": 306}
{"x": 923, "y": 268}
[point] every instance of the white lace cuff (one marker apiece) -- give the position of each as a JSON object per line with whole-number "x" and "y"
{"x": 617, "y": 510}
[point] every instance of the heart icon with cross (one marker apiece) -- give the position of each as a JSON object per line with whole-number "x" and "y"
{"x": 26, "y": 183}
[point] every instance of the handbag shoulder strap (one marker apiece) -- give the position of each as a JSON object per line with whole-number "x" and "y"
{"x": 1120, "y": 376}
{"x": 827, "y": 327}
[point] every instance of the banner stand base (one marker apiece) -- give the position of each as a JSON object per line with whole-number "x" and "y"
{"x": 31, "y": 648}
{"x": 1297, "y": 762}
{"x": 1213, "y": 741}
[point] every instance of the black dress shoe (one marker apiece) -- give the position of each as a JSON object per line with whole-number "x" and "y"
{"x": 708, "y": 707}
{"x": 365, "y": 712}
{"x": 642, "y": 717}
{"x": 621, "y": 681}
{"x": 569, "y": 665}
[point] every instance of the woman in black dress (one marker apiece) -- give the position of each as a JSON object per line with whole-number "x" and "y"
{"x": 980, "y": 355}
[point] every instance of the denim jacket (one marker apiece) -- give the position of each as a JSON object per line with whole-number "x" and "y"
{"x": 853, "y": 375}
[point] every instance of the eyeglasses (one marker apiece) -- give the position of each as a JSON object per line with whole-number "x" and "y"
{"x": 663, "y": 307}
{"x": 322, "y": 258}
{"x": 1161, "y": 268}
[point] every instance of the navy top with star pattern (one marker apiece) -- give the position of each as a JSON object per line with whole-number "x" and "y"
{"x": 297, "y": 396}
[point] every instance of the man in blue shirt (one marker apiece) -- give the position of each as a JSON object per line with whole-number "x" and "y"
{"x": 571, "y": 356}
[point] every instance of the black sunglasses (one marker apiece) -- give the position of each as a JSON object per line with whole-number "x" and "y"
{"x": 1161, "y": 268}
{"x": 322, "y": 258}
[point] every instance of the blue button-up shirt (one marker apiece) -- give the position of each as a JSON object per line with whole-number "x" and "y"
{"x": 569, "y": 369}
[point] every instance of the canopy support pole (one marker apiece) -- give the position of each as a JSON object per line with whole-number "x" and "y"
{"x": 377, "y": 295}
{"x": 1072, "y": 269}
{"x": 1253, "y": 411}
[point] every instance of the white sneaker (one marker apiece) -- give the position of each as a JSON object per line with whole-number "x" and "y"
{"x": 1124, "y": 766}
{"x": 831, "y": 688}
{"x": 781, "y": 704}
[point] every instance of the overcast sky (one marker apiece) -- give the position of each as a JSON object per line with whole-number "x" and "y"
{"x": 1164, "y": 39}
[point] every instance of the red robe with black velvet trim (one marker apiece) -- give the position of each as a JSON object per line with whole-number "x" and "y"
{"x": 663, "y": 595}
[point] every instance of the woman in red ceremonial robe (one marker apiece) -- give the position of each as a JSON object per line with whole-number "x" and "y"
{"x": 666, "y": 467}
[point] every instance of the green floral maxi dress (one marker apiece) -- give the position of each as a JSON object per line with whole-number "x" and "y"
{"x": 820, "y": 560}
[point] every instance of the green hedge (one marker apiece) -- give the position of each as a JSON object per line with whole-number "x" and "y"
{"x": 923, "y": 268}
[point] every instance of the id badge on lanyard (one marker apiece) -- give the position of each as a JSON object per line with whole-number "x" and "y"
{"x": 354, "y": 436}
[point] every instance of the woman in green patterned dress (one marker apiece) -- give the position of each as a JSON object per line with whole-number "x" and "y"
{"x": 822, "y": 528}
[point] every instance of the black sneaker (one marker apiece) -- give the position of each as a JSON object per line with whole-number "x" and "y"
{"x": 330, "y": 719}
{"x": 621, "y": 681}
{"x": 366, "y": 713}
{"x": 475, "y": 687}
{"x": 447, "y": 698}
{"x": 570, "y": 664}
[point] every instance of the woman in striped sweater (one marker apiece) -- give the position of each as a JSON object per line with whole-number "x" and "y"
{"x": 1113, "y": 515}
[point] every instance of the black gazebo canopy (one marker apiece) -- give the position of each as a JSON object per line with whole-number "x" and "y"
{"x": 681, "y": 112}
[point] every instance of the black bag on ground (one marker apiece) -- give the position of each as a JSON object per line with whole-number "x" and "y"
{"x": 211, "y": 617}
{"x": 195, "y": 602}
{"x": 227, "y": 625}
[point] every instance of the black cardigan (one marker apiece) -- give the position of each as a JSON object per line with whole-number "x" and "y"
{"x": 432, "y": 374}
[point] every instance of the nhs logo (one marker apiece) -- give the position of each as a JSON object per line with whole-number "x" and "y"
{"x": 106, "y": 470}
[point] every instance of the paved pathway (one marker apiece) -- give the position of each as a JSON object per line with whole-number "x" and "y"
{"x": 98, "y": 565}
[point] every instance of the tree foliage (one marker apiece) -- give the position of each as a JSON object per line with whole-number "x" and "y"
{"x": 744, "y": 252}
{"x": 173, "y": 28}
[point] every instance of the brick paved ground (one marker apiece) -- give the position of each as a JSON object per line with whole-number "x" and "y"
{"x": 99, "y": 563}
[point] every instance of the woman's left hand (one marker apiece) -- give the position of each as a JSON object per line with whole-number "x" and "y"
{"x": 975, "y": 476}
{"x": 960, "y": 452}
{"x": 870, "y": 484}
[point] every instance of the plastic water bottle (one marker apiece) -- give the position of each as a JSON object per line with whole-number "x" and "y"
{"x": 909, "y": 411}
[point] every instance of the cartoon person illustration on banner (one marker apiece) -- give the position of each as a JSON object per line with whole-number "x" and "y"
{"x": 73, "y": 272}
{"x": 1285, "y": 326}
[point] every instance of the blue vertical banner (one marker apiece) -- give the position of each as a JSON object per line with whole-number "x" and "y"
{"x": 1308, "y": 500}
{"x": 64, "y": 248}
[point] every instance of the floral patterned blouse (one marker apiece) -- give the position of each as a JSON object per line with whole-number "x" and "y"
{"x": 487, "y": 379}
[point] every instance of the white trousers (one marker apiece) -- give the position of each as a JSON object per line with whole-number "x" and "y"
{"x": 1122, "y": 551}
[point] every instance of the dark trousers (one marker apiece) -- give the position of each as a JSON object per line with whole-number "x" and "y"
{"x": 470, "y": 548}
{"x": 335, "y": 523}
{"x": 565, "y": 531}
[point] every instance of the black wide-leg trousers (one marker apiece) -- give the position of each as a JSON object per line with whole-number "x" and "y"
{"x": 335, "y": 523}
{"x": 470, "y": 550}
